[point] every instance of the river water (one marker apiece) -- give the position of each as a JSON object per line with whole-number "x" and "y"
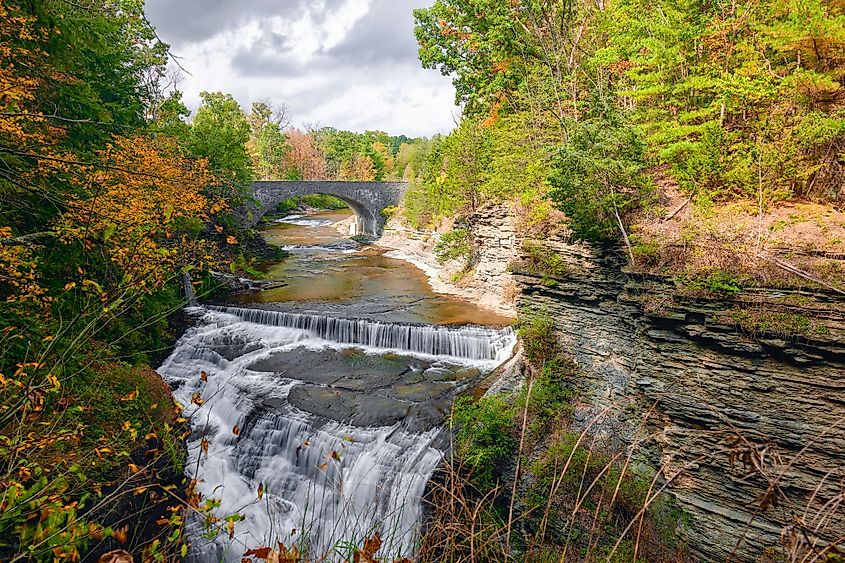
{"x": 317, "y": 407}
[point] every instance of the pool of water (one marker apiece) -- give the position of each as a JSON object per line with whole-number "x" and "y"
{"x": 329, "y": 273}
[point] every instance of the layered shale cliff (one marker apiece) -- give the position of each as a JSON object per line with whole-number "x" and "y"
{"x": 737, "y": 401}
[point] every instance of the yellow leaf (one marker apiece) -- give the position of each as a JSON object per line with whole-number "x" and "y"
{"x": 260, "y": 490}
{"x": 204, "y": 446}
{"x": 54, "y": 381}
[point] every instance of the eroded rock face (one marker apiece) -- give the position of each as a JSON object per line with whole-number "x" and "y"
{"x": 748, "y": 432}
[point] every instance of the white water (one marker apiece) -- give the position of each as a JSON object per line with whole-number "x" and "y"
{"x": 373, "y": 481}
{"x": 304, "y": 221}
{"x": 471, "y": 343}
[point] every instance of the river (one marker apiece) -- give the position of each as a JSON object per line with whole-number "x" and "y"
{"x": 317, "y": 407}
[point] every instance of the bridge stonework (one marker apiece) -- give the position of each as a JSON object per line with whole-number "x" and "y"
{"x": 367, "y": 199}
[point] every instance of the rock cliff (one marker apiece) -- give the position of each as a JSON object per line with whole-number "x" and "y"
{"x": 746, "y": 431}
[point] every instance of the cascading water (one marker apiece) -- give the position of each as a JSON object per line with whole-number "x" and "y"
{"x": 325, "y": 481}
{"x": 472, "y": 343}
{"x": 338, "y": 421}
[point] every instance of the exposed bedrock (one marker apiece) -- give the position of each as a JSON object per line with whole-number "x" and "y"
{"x": 748, "y": 431}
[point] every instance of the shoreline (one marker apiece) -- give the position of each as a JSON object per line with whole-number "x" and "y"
{"x": 417, "y": 248}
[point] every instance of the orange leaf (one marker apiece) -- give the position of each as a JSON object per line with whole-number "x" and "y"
{"x": 204, "y": 446}
{"x": 371, "y": 545}
{"x": 203, "y": 376}
{"x": 231, "y": 240}
{"x": 260, "y": 552}
{"x": 236, "y": 430}
{"x": 260, "y": 490}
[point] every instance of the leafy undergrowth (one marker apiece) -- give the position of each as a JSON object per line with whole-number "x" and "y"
{"x": 540, "y": 261}
{"x": 93, "y": 465}
{"x": 524, "y": 483}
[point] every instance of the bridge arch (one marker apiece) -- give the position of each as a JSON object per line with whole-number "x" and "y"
{"x": 366, "y": 199}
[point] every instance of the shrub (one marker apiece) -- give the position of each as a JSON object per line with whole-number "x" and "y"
{"x": 485, "y": 436}
{"x": 454, "y": 245}
{"x": 542, "y": 262}
{"x": 539, "y": 338}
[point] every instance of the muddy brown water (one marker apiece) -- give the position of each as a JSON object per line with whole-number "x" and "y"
{"x": 329, "y": 273}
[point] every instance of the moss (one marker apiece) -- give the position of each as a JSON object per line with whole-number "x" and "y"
{"x": 120, "y": 405}
{"x": 714, "y": 281}
{"x": 784, "y": 324}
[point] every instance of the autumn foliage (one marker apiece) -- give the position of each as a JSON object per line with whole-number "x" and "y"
{"x": 140, "y": 202}
{"x": 100, "y": 213}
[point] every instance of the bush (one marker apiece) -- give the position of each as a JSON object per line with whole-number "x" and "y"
{"x": 539, "y": 338}
{"x": 485, "y": 437}
{"x": 454, "y": 245}
{"x": 599, "y": 172}
{"x": 542, "y": 262}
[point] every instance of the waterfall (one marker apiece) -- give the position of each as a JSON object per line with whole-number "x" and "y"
{"x": 472, "y": 343}
{"x": 188, "y": 289}
{"x": 324, "y": 482}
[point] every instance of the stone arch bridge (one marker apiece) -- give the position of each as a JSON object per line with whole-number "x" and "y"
{"x": 367, "y": 199}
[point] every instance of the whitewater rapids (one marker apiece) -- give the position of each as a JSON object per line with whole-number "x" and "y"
{"x": 336, "y": 420}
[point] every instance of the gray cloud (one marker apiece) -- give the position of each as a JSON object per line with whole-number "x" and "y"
{"x": 385, "y": 34}
{"x": 187, "y": 21}
{"x": 368, "y": 78}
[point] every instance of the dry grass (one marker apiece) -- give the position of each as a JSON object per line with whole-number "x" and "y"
{"x": 679, "y": 234}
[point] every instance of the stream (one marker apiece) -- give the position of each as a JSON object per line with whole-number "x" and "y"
{"x": 317, "y": 407}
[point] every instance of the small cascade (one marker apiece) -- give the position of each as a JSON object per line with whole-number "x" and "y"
{"x": 188, "y": 289}
{"x": 471, "y": 343}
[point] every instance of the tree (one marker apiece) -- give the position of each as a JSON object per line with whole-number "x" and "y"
{"x": 267, "y": 140}
{"x": 479, "y": 43}
{"x": 302, "y": 159}
{"x": 360, "y": 168}
{"x": 219, "y": 133}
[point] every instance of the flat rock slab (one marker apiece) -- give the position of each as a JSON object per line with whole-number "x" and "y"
{"x": 347, "y": 406}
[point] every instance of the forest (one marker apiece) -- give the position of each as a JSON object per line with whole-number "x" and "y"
{"x": 595, "y": 120}
{"x": 620, "y": 114}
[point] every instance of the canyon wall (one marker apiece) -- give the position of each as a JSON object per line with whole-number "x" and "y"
{"x": 747, "y": 432}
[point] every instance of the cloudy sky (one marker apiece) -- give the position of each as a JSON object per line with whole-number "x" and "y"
{"x": 350, "y": 64}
